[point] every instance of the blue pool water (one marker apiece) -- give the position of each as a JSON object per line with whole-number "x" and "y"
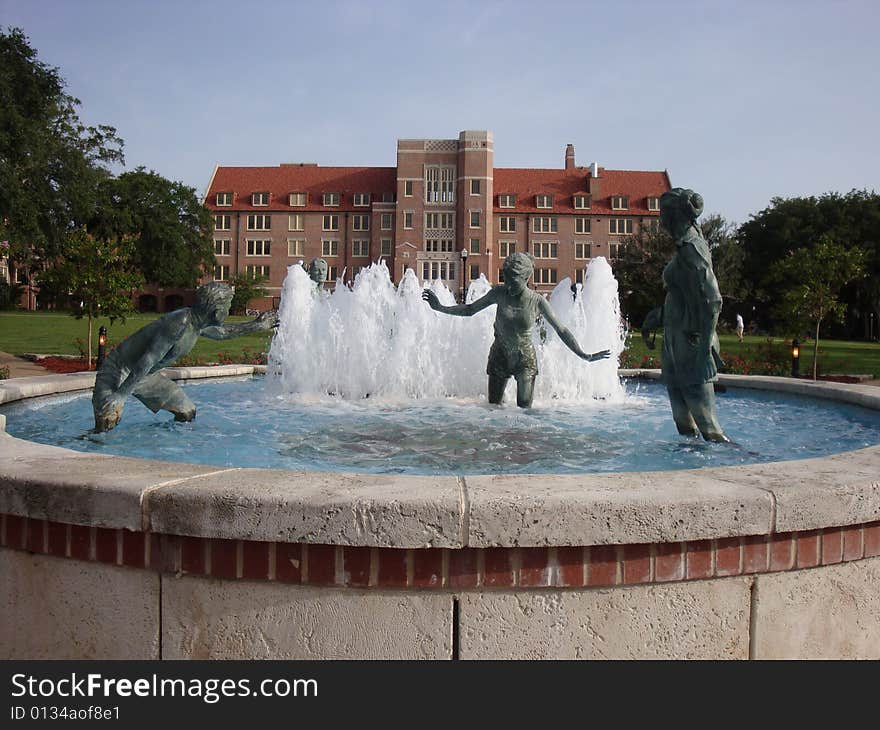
{"x": 240, "y": 424}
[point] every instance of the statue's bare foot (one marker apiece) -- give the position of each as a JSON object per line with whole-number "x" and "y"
{"x": 184, "y": 416}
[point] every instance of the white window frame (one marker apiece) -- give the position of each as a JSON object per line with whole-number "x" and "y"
{"x": 543, "y": 201}
{"x": 545, "y": 224}
{"x": 361, "y": 200}
{"x": 474, "y": 246}
{"x": 225, "y": 246}
{"x": 295, "y": 199}
{"x": 440, "y": 184}
{"x": 224, "y": 270}
{"x": 582, "y": 202}
{"x": 330, "y": 200}
{"x": 329, "y": 247}
{"x": 298, "y": 247}
{"x": 385, "y": 247}
{"x": 583, "y": 250}
{"x": 507, "y": 224}
{"x": 545, "y": 249}
{"x": 653, "y": 203}
{"x": 408, "y": 219}
{"x": 616, "y": 224}
{"x": 583, "y": 226}
{"x": 360, "y": 248}
{"x": 330, "y": 222}
{"x": 478, "y": 214}
{"x": 259, "y": 222}
{"x": 296, "y": 222}
{"x": 386, "y": 218}
{"x": 551, "y": 274}
{"x": 360, "y": 222}
{"x": 507, "y": 200}
{"x": 505, "y": 248}
{"x": 225, "y": 222}
{"x": 224, "y": 199}
{"x": 614, "y": 250}
{"x": 261, "y": 199}
{"x": 258, "y": 247}
{"x": 619, "y": 202}
{"x": 476, "y": 186}
{"x": 407, "y": 188}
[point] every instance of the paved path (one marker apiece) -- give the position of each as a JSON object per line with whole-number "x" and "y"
{"x": 19, "y": 368}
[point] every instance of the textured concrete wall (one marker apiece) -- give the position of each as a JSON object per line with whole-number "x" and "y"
{"x": 696, "y": 620}
{"x": 212, "y": 619}
{"x": 825, "y": 613}
{"x": 55, "y": 608}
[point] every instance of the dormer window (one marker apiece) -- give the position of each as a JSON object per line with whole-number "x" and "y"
{"x": 507, "y": 201}
{"x": 653, "y": 203}
{"x": 619, "y": 202}
{"x": 260, "y": 199}
{"x": 361, "y": 200}
{"x": 224, "y": 198}
{"x": 581, "y": 202}
{"x": 297, "y": 200}
{"x": 331, "y": 199}
{"x": 544, "y": 201}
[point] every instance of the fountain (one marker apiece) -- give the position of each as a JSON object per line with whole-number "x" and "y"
{"x": 153, "y": 559}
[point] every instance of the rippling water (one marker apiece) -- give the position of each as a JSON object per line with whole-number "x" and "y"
{"x": 240, "y": 423}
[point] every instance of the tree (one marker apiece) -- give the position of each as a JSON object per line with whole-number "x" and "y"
{"x": 727, "y": 262}
{"x": 639, "y": 272}
{"x": 50, "y": 162}
{"x": 247, "y": 287}
{"x": 97, "y": 276}
{"x": 171, "y": 229}
{"x": 811, "y": 280}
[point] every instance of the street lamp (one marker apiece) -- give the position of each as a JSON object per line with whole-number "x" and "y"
{"x": 102, "y": 347}
{"x": 464, "y": 255}
{"x": 795, "y": 358}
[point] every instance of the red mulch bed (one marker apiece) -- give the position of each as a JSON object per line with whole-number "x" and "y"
{"x": 62, "y": 364}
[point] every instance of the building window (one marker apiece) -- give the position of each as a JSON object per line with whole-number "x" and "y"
{"x": 224, "y": 198}
{"x": 444, "y": 221}
{"x": 475, "y": 272}
{"x": 545, "y": 249}
{"x": 581, "y": 202}
{"x": 440, "y": 184}
{"x": 582, "y": 250}
{"x": 581, "y": 225}
{"x": 296, "y": 247}
{"x": 545, "y": 225}
{"x": 256, "y": 270}
{"x": 544, "y": 201}
{"x": 506, "y": 248}
{"x": 407, "y": 219}
{"x": 222, "y": 222}
{"x": 221, "y": 246}
{"x": 500, "y": 274}
{"x": 360, "y": 223}
{"x": 360, "y": 247}
{"x": 331, "y": 199}
{"x": 259, "y": 222}
{"x": 361, "y": 200}
{"x": 296, "y": 222}
{"x": 619, "y": 202}
{"x": 653, "y": 203}
{"x": 330, "y": 223}
{"x": 475, "y": 219}
{"x": 439, "y": 245}
{"x": 506, "y": 201}
{"x": 21, "y": 276}
{"x": 329, "y": 247}
{"x": 613, "y": 250}
{"x": 221, "y": 272}
{"x": 260, "y": 199}
{"x": 579, "y": 277}
{"x": 507, "y": 224}
{"x": 620, "y": 225}
{"x": 407, "y": 188}
{"x": 298, "y": 199}
{"x": 385, "y": 247}
{"x": 438, "y": 270}
{"x": 475, "y": 187}
{"x": 258, "y": 247}
{"x": 545, "y": 276}
{"x": 653, "y": 225}
{"x": 475, "y": 245}
{"x": 387, "y": 221}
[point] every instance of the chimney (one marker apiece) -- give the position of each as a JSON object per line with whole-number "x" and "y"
{"x": 594, "y": 170}
{"x": 569, "y": 157}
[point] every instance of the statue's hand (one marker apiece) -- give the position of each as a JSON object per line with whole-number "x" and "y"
{"x": 601, "y": 355}
{"x": 267, "y": 320}
{"x": 431, "y": 298}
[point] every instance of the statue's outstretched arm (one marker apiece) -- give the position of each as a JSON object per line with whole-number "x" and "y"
{"x": 460, "y": 310}
{"x": 267, "y": 320}
{"x": 566, "y": 336}
{"x": 653, "y": 321}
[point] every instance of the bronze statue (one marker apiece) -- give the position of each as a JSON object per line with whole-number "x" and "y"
{"x": 512, "y": 352}
{"x": 318, "y": 271}
{"x": 690, "y": 356}
{"x": 132, "y": 368}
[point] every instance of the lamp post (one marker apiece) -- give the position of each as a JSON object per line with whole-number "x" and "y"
{"x": 464, "y": 255}
{"x": 795, "y": 358}
{"x": 102, "y": 347}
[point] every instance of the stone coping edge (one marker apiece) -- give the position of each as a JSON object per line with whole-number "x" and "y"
{"x": 442, "y": 568}
{"x": 50, "y": 483}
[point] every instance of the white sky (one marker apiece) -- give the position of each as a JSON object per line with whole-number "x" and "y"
{"x": 741, "y": 101}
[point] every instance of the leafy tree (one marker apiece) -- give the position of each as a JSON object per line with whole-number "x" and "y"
{"x": 247, "y": 287}
{"x": 727, "y": 262}
{"x": 639, "y": 271}
{"x": 50, "y": 162}
{"x": 811, "y": 280}
{"x": 97, "y": 276}
{"x": 172, "y": 230}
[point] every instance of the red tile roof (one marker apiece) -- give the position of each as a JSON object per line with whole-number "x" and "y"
{"x": 282, "y": 180}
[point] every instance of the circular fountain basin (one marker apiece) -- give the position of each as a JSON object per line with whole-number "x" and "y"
{"x": 120, "y": 557}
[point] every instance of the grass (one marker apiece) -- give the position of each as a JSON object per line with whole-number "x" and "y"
{"x": 835, "y": 356}
{"x": 56, "y": 333}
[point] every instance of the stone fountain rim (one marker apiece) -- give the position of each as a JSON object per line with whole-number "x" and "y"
{"x": 60, "y": 485}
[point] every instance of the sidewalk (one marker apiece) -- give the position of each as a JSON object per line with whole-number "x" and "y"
{"x": 19, "y": 368}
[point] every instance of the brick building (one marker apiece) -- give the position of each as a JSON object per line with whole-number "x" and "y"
{"x": 444, "y": 211}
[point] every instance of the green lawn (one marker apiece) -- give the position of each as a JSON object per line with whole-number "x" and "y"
{"x": 835, "y": 356}
{"x": 54, "y": 333}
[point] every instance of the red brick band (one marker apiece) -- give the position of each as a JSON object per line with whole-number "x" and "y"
{"x": 433, "y": 568}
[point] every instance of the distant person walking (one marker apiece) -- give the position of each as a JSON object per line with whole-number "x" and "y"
{"x": 740, "y": 327}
